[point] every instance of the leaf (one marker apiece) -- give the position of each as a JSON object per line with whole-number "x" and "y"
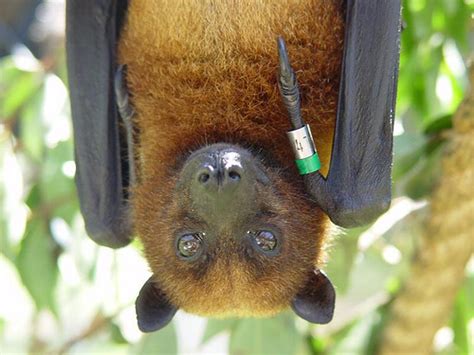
{"x": 5, "y": 247}
{"x": 457, "y": 23}
{"x": 341, "y": 259}
{"x": 403, "y": 165}
{"x": 356, "y": 340}
{"x": 382, "y": 317}
{"x": 408, "y": 142}
{"x": 20, "y": 88}
{"x": 462, "y": 315}
{"x": 409, "y": 165}
{"x": 265, "y": 336}
{"x": 8, "y": 72}
{"x": 216, "y": 326}
{"x": 317, "y": 345}
{"x": 369, "y": 276}
{"x": 160, "y": 342}
{"x": 421, "y": 183}
{"x": 33, "y": 200}
{"x": 61, "y": 192}
{"x": 31, "y": 128}
{"x": 116, "y": 334}
{"x": 440, "y": 124}
{"x": 36, "y": 264}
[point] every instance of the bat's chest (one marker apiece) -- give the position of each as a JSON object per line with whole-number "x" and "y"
{"x": 205, "y": 72}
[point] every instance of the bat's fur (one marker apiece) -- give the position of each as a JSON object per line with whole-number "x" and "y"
{"x": 203, "y": 72}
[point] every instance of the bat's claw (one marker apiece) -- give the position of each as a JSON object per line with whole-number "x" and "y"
{"x": 286, "y": 73}
{"x": 126, "y": 112}
{"x": 289, "y": 86}
{"x": 121, "y": 93}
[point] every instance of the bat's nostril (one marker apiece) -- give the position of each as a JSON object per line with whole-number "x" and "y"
{"x": 234, "y": 175}
{"x": 203, "y": 178}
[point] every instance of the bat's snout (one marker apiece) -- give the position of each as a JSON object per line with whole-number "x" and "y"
{"x": 222, "y": 182}
{"x": 222, "y": 173}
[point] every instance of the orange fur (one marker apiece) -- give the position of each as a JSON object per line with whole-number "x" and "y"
{"x": 203, "y": 72}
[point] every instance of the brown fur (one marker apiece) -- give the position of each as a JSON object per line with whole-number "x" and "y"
{"x": 203, "y": 72}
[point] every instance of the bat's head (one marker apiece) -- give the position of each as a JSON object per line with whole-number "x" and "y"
{"x": 228, "y": 234}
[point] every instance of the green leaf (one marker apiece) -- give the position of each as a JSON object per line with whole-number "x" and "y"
{"x": 36, "y": 263}
{"x": 317, "y": 345}
{"x": 381, "y": 318}
{"x": 265, "y": 336}
{"x": 369, "y": 276}
{"x": 341, "y": 259}
{"x": 462, "y": 315}
{"x": 411, "y": 165}
{"x": 422, "y": 182}
{"x": 408, "y": 143}
{"x": 440, "y": 124}
{"x": 31, "y": 128}
{"x": 8, "y": 73}
{"x": 5, "y": 247}
{"x": 356, "y": 340}
{"x": 33, "y": 199}
{"x": 161, "y": 342}
{"x": 58, "y": 190}
{"x": 116, "y": 334}
{"x": 20, "y": 88}
{"x": 457, "y": 24}
{"x": 406, "y": 163}
{"x": 216, "y": 326}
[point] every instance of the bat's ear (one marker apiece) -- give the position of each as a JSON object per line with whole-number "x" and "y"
{"x": 154, "y": 311}
{"x": 315, "y": 302}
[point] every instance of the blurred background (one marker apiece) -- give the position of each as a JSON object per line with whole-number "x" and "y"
{"x": 61, "y": 293}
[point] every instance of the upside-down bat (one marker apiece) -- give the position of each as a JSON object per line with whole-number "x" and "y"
{"x": 180, "y": 112}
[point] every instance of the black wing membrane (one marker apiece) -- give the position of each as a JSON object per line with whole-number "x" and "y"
{"x": 92, "y": 29}
{"x": 358, "y": 185}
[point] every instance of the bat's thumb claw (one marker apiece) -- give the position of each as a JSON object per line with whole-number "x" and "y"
{"x": 285, "y": 68}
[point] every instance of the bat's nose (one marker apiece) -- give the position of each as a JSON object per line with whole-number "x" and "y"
{"x": 222, "y": 183}
{"x": 222, "y": 173}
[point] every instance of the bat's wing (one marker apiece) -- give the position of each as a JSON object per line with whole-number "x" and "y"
{"x": 100, "y": 149}
{"x": 358, "y": 186}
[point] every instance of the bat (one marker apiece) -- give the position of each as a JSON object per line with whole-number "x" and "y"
{"x": 180, "y": 114}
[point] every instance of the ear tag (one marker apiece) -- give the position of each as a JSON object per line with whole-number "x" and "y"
{"x": 307, "y": 159}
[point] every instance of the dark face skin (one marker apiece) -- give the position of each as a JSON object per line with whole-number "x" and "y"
{"x": 222, "y": 182}
{"x": 235, "y": 238}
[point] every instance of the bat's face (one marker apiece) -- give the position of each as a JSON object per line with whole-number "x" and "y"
{"x": 228, "y": 235}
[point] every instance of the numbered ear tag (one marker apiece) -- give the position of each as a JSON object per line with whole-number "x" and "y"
{"x": 307, "y": 159}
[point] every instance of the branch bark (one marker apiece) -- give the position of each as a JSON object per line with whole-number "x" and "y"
{"x": 425, "y": 302}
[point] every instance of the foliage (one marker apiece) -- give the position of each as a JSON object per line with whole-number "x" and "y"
{"x": 66, "y": 294}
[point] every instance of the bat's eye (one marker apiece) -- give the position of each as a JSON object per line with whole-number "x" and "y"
{"x": 189, "y": 245}
{"x": 265, "y": 240}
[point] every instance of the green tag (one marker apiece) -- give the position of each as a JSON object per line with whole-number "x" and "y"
{"x": 308, "y": 165}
